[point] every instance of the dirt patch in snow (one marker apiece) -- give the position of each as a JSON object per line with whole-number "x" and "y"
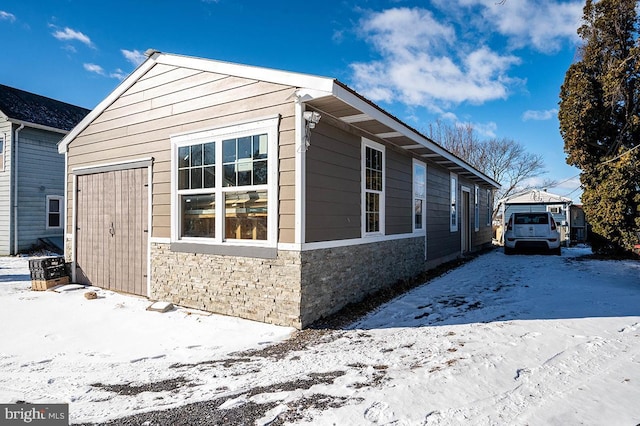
{"x": 237, "y": 408}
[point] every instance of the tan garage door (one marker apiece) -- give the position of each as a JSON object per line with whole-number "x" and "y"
{"x": 112, "y": 218}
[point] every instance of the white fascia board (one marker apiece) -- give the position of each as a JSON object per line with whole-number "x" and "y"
{"x": 113, "y": 96}
{"x": 289, "y": 78}
{"x": 366, "y": 108}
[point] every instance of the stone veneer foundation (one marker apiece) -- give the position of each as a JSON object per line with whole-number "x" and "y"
{"x": 294, "y": 289}
{"x": 266, "y": 290}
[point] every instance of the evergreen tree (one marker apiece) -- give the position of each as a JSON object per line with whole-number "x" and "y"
{"x": 600, "y": 123}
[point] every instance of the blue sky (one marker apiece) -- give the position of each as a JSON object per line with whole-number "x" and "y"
{"x": 496, "y": 66}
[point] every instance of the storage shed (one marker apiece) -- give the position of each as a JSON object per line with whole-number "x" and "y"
{"x": 259, "y": 193}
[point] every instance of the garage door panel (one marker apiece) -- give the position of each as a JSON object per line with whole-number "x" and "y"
{"x": 111, "y": 242}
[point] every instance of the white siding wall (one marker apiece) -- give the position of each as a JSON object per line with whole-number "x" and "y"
{"x": 5, "y": 190}
{"x": 40, "y": 173}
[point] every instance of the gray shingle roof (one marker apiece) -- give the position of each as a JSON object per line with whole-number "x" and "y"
{"x": 31, "y": 108}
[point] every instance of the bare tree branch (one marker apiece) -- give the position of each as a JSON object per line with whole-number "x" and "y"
{"x": 504, "y": 160}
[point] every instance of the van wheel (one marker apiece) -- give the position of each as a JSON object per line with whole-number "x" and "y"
{"x": 508, "y": 251}
{"x": 558, "y": 251}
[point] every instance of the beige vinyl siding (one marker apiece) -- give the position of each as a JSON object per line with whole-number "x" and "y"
{"x": 333, "y": 185}
{"x": 398, "y": 209}
{"x": 170, "y": 100}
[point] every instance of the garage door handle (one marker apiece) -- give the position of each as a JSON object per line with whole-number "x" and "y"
{"x": 112, "y": 230}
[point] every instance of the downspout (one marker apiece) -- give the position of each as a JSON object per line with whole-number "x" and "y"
{"x": 14, "y": 167}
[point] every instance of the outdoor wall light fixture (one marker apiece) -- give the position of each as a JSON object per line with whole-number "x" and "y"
{"x": 311, "y": 118}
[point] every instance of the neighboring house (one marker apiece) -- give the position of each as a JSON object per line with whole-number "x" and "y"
{"x": 537, "y": 200}
{"x": 263, "y": 194}
{"x": 31, "y": 169}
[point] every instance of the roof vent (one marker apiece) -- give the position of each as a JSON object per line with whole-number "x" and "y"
{"x": 150, "y": 52}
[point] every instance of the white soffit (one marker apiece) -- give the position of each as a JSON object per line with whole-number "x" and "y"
{"x": 375, "y": 113}
{"x": 389, "y": 135}
{"x": 356, "y": 118}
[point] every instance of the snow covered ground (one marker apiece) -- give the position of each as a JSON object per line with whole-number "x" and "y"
{"x": 518, "y": 340}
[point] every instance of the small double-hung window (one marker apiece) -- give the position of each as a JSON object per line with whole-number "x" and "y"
{"x": 225, "y": 185}
{"x": 54, "y": 211}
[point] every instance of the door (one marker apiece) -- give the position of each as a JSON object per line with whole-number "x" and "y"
{"x": 111, "y": 230}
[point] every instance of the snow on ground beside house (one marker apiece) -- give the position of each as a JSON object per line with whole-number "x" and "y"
{"x": 537, "y": 340}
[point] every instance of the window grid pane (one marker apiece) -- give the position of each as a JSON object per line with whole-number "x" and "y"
{"x": 198, "y": 215}
{"x": 246, "y": 215}
{"x": 245, "y": 161}
{"x": 372, "y": 212}
{"x": 418, "y": 214}
{"x": 54, "y": 220}
{"x": 373, "y": 172}
{"x": 196, "y": 166}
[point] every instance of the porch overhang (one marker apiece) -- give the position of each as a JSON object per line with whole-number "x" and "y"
{"x": 347, "y": 106}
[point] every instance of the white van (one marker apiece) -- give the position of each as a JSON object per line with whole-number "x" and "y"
{"x": 535, "y": 230}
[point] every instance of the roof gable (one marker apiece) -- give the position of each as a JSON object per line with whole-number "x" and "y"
{"x": 312, "y": 90}
{"x": 536, "y": 196}
{"x": 30, "y": 108}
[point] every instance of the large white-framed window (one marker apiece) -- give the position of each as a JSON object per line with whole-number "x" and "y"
{"x": 419, "y": 196}
{"x": 54, "y": 211}
{"x": 476, "y": 208}
{"x": 373, "y": 188}
{"x": 453, "y": 216}
{"x": 489, "y": 207}
{"x": 224, "y": 185}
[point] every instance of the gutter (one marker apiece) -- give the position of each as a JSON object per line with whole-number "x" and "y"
{"x": 14, "y": 168}
{"x": 37, "y": 126}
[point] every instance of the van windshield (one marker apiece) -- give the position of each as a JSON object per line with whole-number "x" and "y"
{"x": 532, "y": 219}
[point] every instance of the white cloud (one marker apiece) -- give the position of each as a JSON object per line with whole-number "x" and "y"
{"x": 539, "y": 115}
{"x": 118, "y": 73}
{"x": 94, "y": 68}
{"x": 69, "y": 34}
{"x": 543, "y": 25}
{"x": 422, "y": 64}
{"x": 486, "y": 130}
{"x": 97, "y": 69}
{"x": 134, "y": 56}
{"x": 6, "y": 16}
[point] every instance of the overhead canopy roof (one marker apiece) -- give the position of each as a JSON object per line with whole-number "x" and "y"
{"x": 326, "y": 95}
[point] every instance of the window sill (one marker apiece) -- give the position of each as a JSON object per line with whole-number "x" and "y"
{"x": 225, "y": 250}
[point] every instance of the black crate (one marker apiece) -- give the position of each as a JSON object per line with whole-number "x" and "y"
{"x": 49, "y": 273}
{"x": 45, "y": 262}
